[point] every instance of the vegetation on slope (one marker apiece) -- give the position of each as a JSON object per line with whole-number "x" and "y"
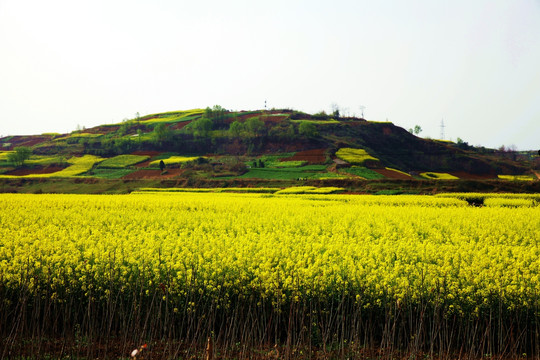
{"x": 216, "y": 143}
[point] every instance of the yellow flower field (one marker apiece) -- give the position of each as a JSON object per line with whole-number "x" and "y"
{"x": 199, "y": 253}
{"x": 374, "y": 247}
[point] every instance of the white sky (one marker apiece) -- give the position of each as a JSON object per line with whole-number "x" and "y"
{"x": 473, "y": 63}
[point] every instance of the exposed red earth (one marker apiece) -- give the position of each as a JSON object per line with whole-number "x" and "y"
{"x": 179, "y": 125}
{"x": 274, "y": 119}
{"x": 391, "y": 174}
{"x": 36, "y": 170}
{"x": 315, "y": 156}
{"x": 469, "y": 176}
{"x": 143, "y": 164}
{"x": 29, "y": 141}
{"x": 146, "y": 153}
{"x": 150, "y": 174}
{"x": 101, "y": 129}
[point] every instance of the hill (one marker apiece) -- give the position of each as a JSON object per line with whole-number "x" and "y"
{"x": 217, "y": 147}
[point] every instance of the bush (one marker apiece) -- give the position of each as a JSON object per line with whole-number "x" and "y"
{"x": 19, "y": 156}
{"x": 307, "y": 129}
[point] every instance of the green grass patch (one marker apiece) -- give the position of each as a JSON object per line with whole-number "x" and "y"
{"x": 317, "y": 122}
{"x": 122, "y": 161}
{"x": 279, "y": 174}
{"x": 328, "y": 176}
{"x": 354, "y": 156}
{"x": 389, "y": 192}
{"x": 364, "y": 173}
{"x": 314, "y": 167}
{"x": 274, "y": 161}
{"x": 275, "y": 157}
{"x": 110, "y": 173}
{"x": 286, "y": 164}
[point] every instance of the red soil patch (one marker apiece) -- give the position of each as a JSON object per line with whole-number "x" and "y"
{"x": 391, "y": 174}
{"x": 143, "y": 164}
{"x": 146, "y": 153}
{"x": 241, "y": 118}
{"x": 101, "y": 129}
{"x": 34, "y": 141}
{"x": 25, "y": 141}
{"x": 36, "y": 170}
{"x": 154, "y": 174}
{"x": 468, "y": 176}
{"x": 179, "y": 125}
{"x": 274, "y": 119}
{"x": 267, "y": 117}
{"x": 311, "y": 156}
{"x": 387, "y": 130}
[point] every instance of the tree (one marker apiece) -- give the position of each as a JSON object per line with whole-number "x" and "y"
{"x": 161, "y": 165}
{"x": 416, "y": 130}
{"x": 335, "y": 110}
{"x": 162, "y": 133}
{"x": 321, "y": 115}
{"x": 236, "y": 128}
{"x": 201, "y": 127}
{"x": 254, "y": 126}
{"x": 462, "y": 144}
{"x": 20, "y": 155}
{"x": 289, "y": 132}
{"x": 307, "y": 129}
{"x": 216, "y": 114}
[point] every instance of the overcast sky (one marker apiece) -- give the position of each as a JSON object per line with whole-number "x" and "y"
{"x": 475, "y": 64}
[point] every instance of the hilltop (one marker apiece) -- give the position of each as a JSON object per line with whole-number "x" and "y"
{"x": 217, "y": 147}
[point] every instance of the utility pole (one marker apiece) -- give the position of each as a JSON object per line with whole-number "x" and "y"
{"x": 442, "y": 129}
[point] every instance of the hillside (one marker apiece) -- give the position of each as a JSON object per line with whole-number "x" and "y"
{"x": 217, "y": 146}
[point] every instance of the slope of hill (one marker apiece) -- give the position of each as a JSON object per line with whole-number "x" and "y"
{"x": 215, "y": 145}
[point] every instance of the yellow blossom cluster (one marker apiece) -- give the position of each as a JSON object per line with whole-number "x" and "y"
{"x": 376, "y": 249}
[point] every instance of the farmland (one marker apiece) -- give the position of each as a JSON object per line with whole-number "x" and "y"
{"x": 216, "y": 147}
{"x": 314, "y": 274}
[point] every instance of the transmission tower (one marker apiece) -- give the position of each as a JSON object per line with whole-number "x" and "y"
{"x": 442, "y": 129}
